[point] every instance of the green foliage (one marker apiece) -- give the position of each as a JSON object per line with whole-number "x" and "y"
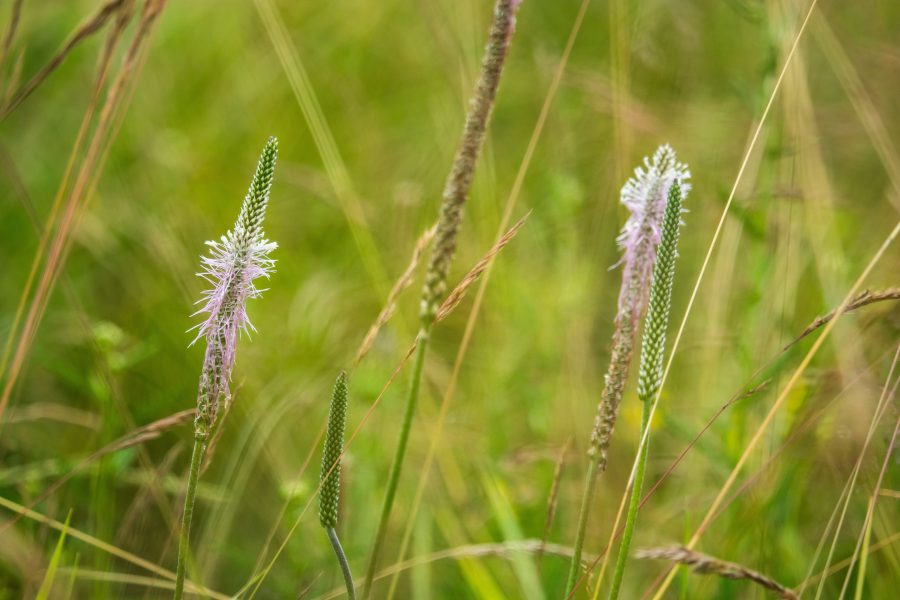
{"x": 391, "y": 82}
{"x": 47, "y": 583}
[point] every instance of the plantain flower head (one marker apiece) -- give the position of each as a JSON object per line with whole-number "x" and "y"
{"x": 233, "y": 264}
{"x": 644, "y": 195}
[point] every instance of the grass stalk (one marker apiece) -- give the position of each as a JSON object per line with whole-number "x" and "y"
{"x": 455, "y": 194}
{"x": 634, "y": 501}
{"x": 704, "y": 564}
{"x": 412, "y": 399}
{"x": 187, "y": 516}
{"x": 587, "y": 498}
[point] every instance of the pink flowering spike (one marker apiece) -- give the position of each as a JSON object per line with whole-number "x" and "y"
{"x": 644, "y": 195}
{"x": 234, "y": 262}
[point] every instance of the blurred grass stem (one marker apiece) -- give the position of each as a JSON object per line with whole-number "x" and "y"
{"x": 397, "y": 464}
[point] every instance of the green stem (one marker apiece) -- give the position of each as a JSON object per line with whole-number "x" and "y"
{"x": 342, "y": 559}
{"x": 604, "y": 423}
{"x": 188, "y": 514}
{"x": 634, "y": 502}
{"x": 587, "y": 498}
{"x": 394, "y": 477}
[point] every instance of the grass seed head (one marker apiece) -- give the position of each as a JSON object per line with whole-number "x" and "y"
{"x": 456, "y": 189}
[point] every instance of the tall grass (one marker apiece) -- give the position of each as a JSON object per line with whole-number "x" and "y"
{"x": 114, "y": 162}
{"x": 456, "y": 192}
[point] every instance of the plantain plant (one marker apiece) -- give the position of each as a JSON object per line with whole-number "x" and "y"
{"x": 330, "y": 478}
{"x": 644, "y": 195}
{"x": 234, "y": 262}
{"x": 650, "y": 373}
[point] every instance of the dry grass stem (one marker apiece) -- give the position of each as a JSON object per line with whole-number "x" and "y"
{"x": 15, "y": 14}
{"x": 78, "y": 197}
{"x": 704, "y": 564}
{"x": 864, "y": 299}
{"x": 707, "y": 565}
{"x": 86, "y": 30}
{"x": 100, "y": 79}
{"x": 140, "y": 435}
{"x": 403, "y": 282}
{"x": 105, "y": 547}
{"x": 455, "y": 297}
{"x": 553, "y": 498}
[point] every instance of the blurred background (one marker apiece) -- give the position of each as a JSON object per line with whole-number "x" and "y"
{"x": 111, "y": 184}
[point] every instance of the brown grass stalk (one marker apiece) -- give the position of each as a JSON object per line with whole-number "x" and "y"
{"x": 455, "y": 297}
{"x": 553, "y": 499}
{"x": 704, "y": 564}
{"x": 143, "y": 434}
{"x": 15, "y": 14}
{"x": 864, "y": 299}
{"x": 80, "y": 194}
{"x": 82, "y": 33}
{"x": 390, "y": 305}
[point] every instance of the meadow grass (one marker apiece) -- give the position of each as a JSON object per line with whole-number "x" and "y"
{"x": 124, "y": 133}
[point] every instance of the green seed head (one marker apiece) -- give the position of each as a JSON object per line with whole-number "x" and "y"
{"x": 653, "y": 344}
{"x": 334, "y": 444}
{"x": 253, "y": 211}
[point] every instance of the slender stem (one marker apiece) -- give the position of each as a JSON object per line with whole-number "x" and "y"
{"x": 634, "y": 503}
{"x": 342, "y": 559}
{"x": 189, "y": 499}
{"x": 456, "y": 191}
{"x": 587, "y": 498}
{"x": 605, "y": 422}
{"x": 412, "y": 399}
